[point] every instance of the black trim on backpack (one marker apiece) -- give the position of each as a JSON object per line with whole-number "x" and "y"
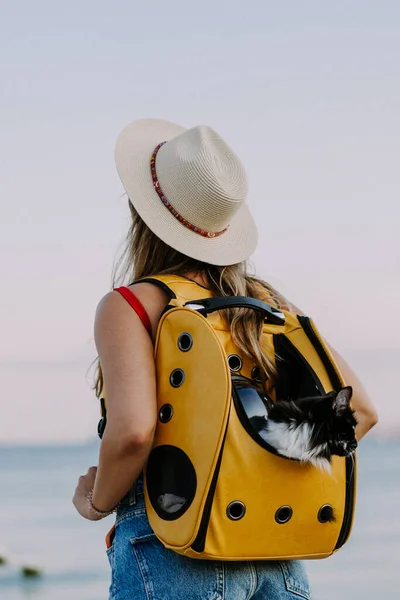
{"x": 348, "y": 504}
{"x": 200, "y": 541}
{"x": 333, "y": 376}
{"x": 337, "y": 385}
{"x": 101, "y": 426}
{"x": 157, "y": 283}
{"x": 243, "y": 418}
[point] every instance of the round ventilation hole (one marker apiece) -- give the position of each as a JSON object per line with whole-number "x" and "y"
{"x": 256, "y": 375}
{"x": 185, "y": 341}
{"x": 235, "y": 362}
{"x": 165, "y": 413}
{"x": 171, "y": 481}
{"x": 236, "y": 510}
{"x": 283, "y": 514}
{"x": 177, "y": 377}
{"x": 325, "y": 514}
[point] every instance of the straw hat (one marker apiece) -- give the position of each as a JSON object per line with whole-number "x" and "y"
{"x": 190, "y": 191}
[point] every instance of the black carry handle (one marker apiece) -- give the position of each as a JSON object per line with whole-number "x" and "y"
{"x": 209, "y": 305}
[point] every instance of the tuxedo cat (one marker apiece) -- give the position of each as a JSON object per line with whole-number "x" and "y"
{"x": 310, "y": 429}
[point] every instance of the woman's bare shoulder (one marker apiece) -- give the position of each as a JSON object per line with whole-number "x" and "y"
{"x": 153, "y": 298}
{"x": 114, "y": 311}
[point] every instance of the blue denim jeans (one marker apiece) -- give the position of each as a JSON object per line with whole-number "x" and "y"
{"x": 143, "y": 569}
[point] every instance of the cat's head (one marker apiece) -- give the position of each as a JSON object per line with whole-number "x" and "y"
{"x": 329, "y": 420}
{"x": 334, "y": 421}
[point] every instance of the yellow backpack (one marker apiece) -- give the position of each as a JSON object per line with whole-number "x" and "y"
{"x": 212, "y": 489}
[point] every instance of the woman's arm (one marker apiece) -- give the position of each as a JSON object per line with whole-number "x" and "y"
{"x": 126, "y": 356}
{"x": 365, "y": 412}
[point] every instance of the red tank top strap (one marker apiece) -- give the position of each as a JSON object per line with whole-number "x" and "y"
{"x": 137, "y": 306}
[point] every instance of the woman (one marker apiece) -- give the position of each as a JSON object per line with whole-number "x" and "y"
{"x": 189, "y": 218}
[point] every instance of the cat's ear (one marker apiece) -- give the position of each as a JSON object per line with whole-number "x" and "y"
{"x": 342, "y": 399}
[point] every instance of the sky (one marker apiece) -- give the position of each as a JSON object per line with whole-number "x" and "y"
{"x": 306, "y": 93}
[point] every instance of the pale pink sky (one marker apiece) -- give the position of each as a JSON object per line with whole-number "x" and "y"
{"x": 308, "y": 97}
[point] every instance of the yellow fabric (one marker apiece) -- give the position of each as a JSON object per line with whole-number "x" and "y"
{"x": 203, "y": 413}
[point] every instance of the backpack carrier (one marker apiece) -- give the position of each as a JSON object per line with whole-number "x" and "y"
{"x": 213, "y": 488}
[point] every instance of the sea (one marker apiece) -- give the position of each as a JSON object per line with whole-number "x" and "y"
{"x": 40, "y": 530}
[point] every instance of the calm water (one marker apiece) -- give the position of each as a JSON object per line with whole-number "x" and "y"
{"x": 39, "y": 525}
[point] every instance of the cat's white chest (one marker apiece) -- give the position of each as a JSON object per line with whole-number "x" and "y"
{"x": 293, "y": 440}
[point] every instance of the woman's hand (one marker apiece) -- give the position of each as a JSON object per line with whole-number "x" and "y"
{"x": 81, "y": 496}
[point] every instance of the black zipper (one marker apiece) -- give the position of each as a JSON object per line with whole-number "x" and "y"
{"x": 337, "y": 385}
{"x": 200, "y": 541}
{"x": 348, "y": 504}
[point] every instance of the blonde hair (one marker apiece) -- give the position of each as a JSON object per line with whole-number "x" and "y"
{"x": 145, "y": 255}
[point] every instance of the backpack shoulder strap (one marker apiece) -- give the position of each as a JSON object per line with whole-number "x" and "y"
{"x": 161, "y": 281}
{"x": 177, "y": 287}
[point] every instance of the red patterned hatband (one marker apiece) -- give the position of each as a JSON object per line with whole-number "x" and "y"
{"x": 157, "y": 187}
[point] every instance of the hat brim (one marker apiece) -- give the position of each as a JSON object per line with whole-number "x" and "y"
{"x": 133, "y": 152}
